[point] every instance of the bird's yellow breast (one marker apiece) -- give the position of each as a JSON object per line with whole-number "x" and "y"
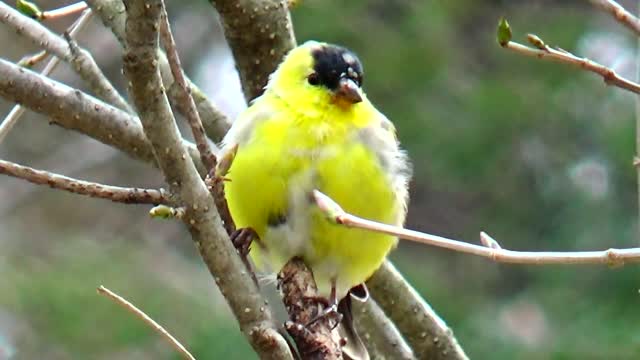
{"x": 288, "y": 154}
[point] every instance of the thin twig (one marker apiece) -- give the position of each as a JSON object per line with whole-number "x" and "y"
{"x": 491, "y": 250}
{"x": 81, "y": 61}
{"x": 64, "y": 11}
{"x": 619, "y": 13}
{"x": 147, "y": 320}
{"x": 30, "y": 61}
{"x": 92, "y": 189}
{"x": 18, "y": 110}
{"x": 544, "y": 52}
{"x": 637, "y": 114}
{"x": 208, "y": 159}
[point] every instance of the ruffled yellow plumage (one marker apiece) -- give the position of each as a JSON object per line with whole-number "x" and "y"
{"x": 299, "y": 136}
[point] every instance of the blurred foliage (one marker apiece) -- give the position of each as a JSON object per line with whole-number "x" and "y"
{"x": 536, "y": 154}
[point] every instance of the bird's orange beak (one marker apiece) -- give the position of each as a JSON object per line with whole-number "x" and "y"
{"x": 348, "y": 90}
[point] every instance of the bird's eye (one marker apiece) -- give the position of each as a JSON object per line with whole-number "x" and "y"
{"x": 313, "y": 79}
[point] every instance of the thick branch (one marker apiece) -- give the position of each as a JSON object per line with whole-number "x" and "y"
{"x": 427, "y": 334}
{"x": 147, "y": 92}
{"x": 55, "y": 181}
{"x": 380, "y": 335}
{"x": 216, "y": 124}
{"x": 18, "y": 110}
{"x": 81, "y": 60}
{"x": 75, "y": 110}
{"x": 259, "y": 34}
{"x": 619, "y": 13}
{"x": 300, "y": 294}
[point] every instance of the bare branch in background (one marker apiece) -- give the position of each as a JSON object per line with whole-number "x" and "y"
{"x": 492, "y": 250}
{"x": 147, "y": 320}
{"x": 18, "y": 110}
{"x": 619, "y": 13}
{"x": 630, "y": 21}
{"x": 146, "y": 90}
{"x": 91, "y": 189}
{"x": 544, "y": 52}
{"x": 259, "y": 34}
{"x": 427, "y": 334}
{"x": 81, "y": 61}
{"x": 379, "y": 334}
{"x": 75, "y": 110}
{"x": 216, "y": 124}
{"x": 31, "y": 60}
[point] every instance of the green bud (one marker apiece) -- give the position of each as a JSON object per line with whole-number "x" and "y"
{"x": 536, "y": 41}
{"x": 504, "y": 32}
{"x": 28, "y": 8}
{"x": 162, "y": 212}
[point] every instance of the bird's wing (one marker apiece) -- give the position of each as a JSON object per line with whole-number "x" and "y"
{"x": 244, "y": 125}
{"x": 380, "y": 137}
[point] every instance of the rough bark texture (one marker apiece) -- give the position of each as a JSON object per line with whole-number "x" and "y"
{"x": 378, "y": 333}
{"x": 205, "y": 226}
{"x": 216, "y": 124}
{"x": 427, "y": 334}
{"x": 300, "y": 297}
{"x": 259, "y": 34}
{"x": 113, "y": 193}
{"x": 75, "y": 110}
{"x": 79, "y": 59}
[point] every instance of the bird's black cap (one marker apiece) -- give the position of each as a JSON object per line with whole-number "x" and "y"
{"x": 332, "y": 63}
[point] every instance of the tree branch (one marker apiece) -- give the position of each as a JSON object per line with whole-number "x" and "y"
{"x": 202, "y": 144}
{"x": 300, "y": 294}
{"x": 63, "y": 11}
{"x": 147, "y": 320}
{"x": 55, "y": 181}
{"x": 18, "y": 110}
{"x": 81, "y": 61}
{"x": 491, "y": 249}
{"x": 259, "y": 34}
{"x": 544, "y": 52}
{"x": 380, "y": 335}
{"x": 427, "y": 334}
{"x": 75, "y": 110}
{"x": 619, "y": 13}
{"x": 216, "y": 124}
{"x": 205, "y": 226}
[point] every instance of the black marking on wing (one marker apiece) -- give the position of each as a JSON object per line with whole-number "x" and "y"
{"x": 275, "y": 220}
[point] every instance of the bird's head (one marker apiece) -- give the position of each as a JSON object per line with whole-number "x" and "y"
{"x": 320, "y": 73}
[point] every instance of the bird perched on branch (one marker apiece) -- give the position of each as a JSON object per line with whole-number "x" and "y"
{"x": 314, "y": 128}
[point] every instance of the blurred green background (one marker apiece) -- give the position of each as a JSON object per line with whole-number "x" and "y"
{"x": 536, "y": 154}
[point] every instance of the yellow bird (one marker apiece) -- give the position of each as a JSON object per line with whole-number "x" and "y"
{"x": 314, "y": 128}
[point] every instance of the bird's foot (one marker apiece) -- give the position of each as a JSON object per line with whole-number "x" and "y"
{"x": 328, "y": 312}
{"x": 242, "y": 239}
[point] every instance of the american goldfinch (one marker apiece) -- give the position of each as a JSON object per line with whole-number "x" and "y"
{"x": 314, "y": 128}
